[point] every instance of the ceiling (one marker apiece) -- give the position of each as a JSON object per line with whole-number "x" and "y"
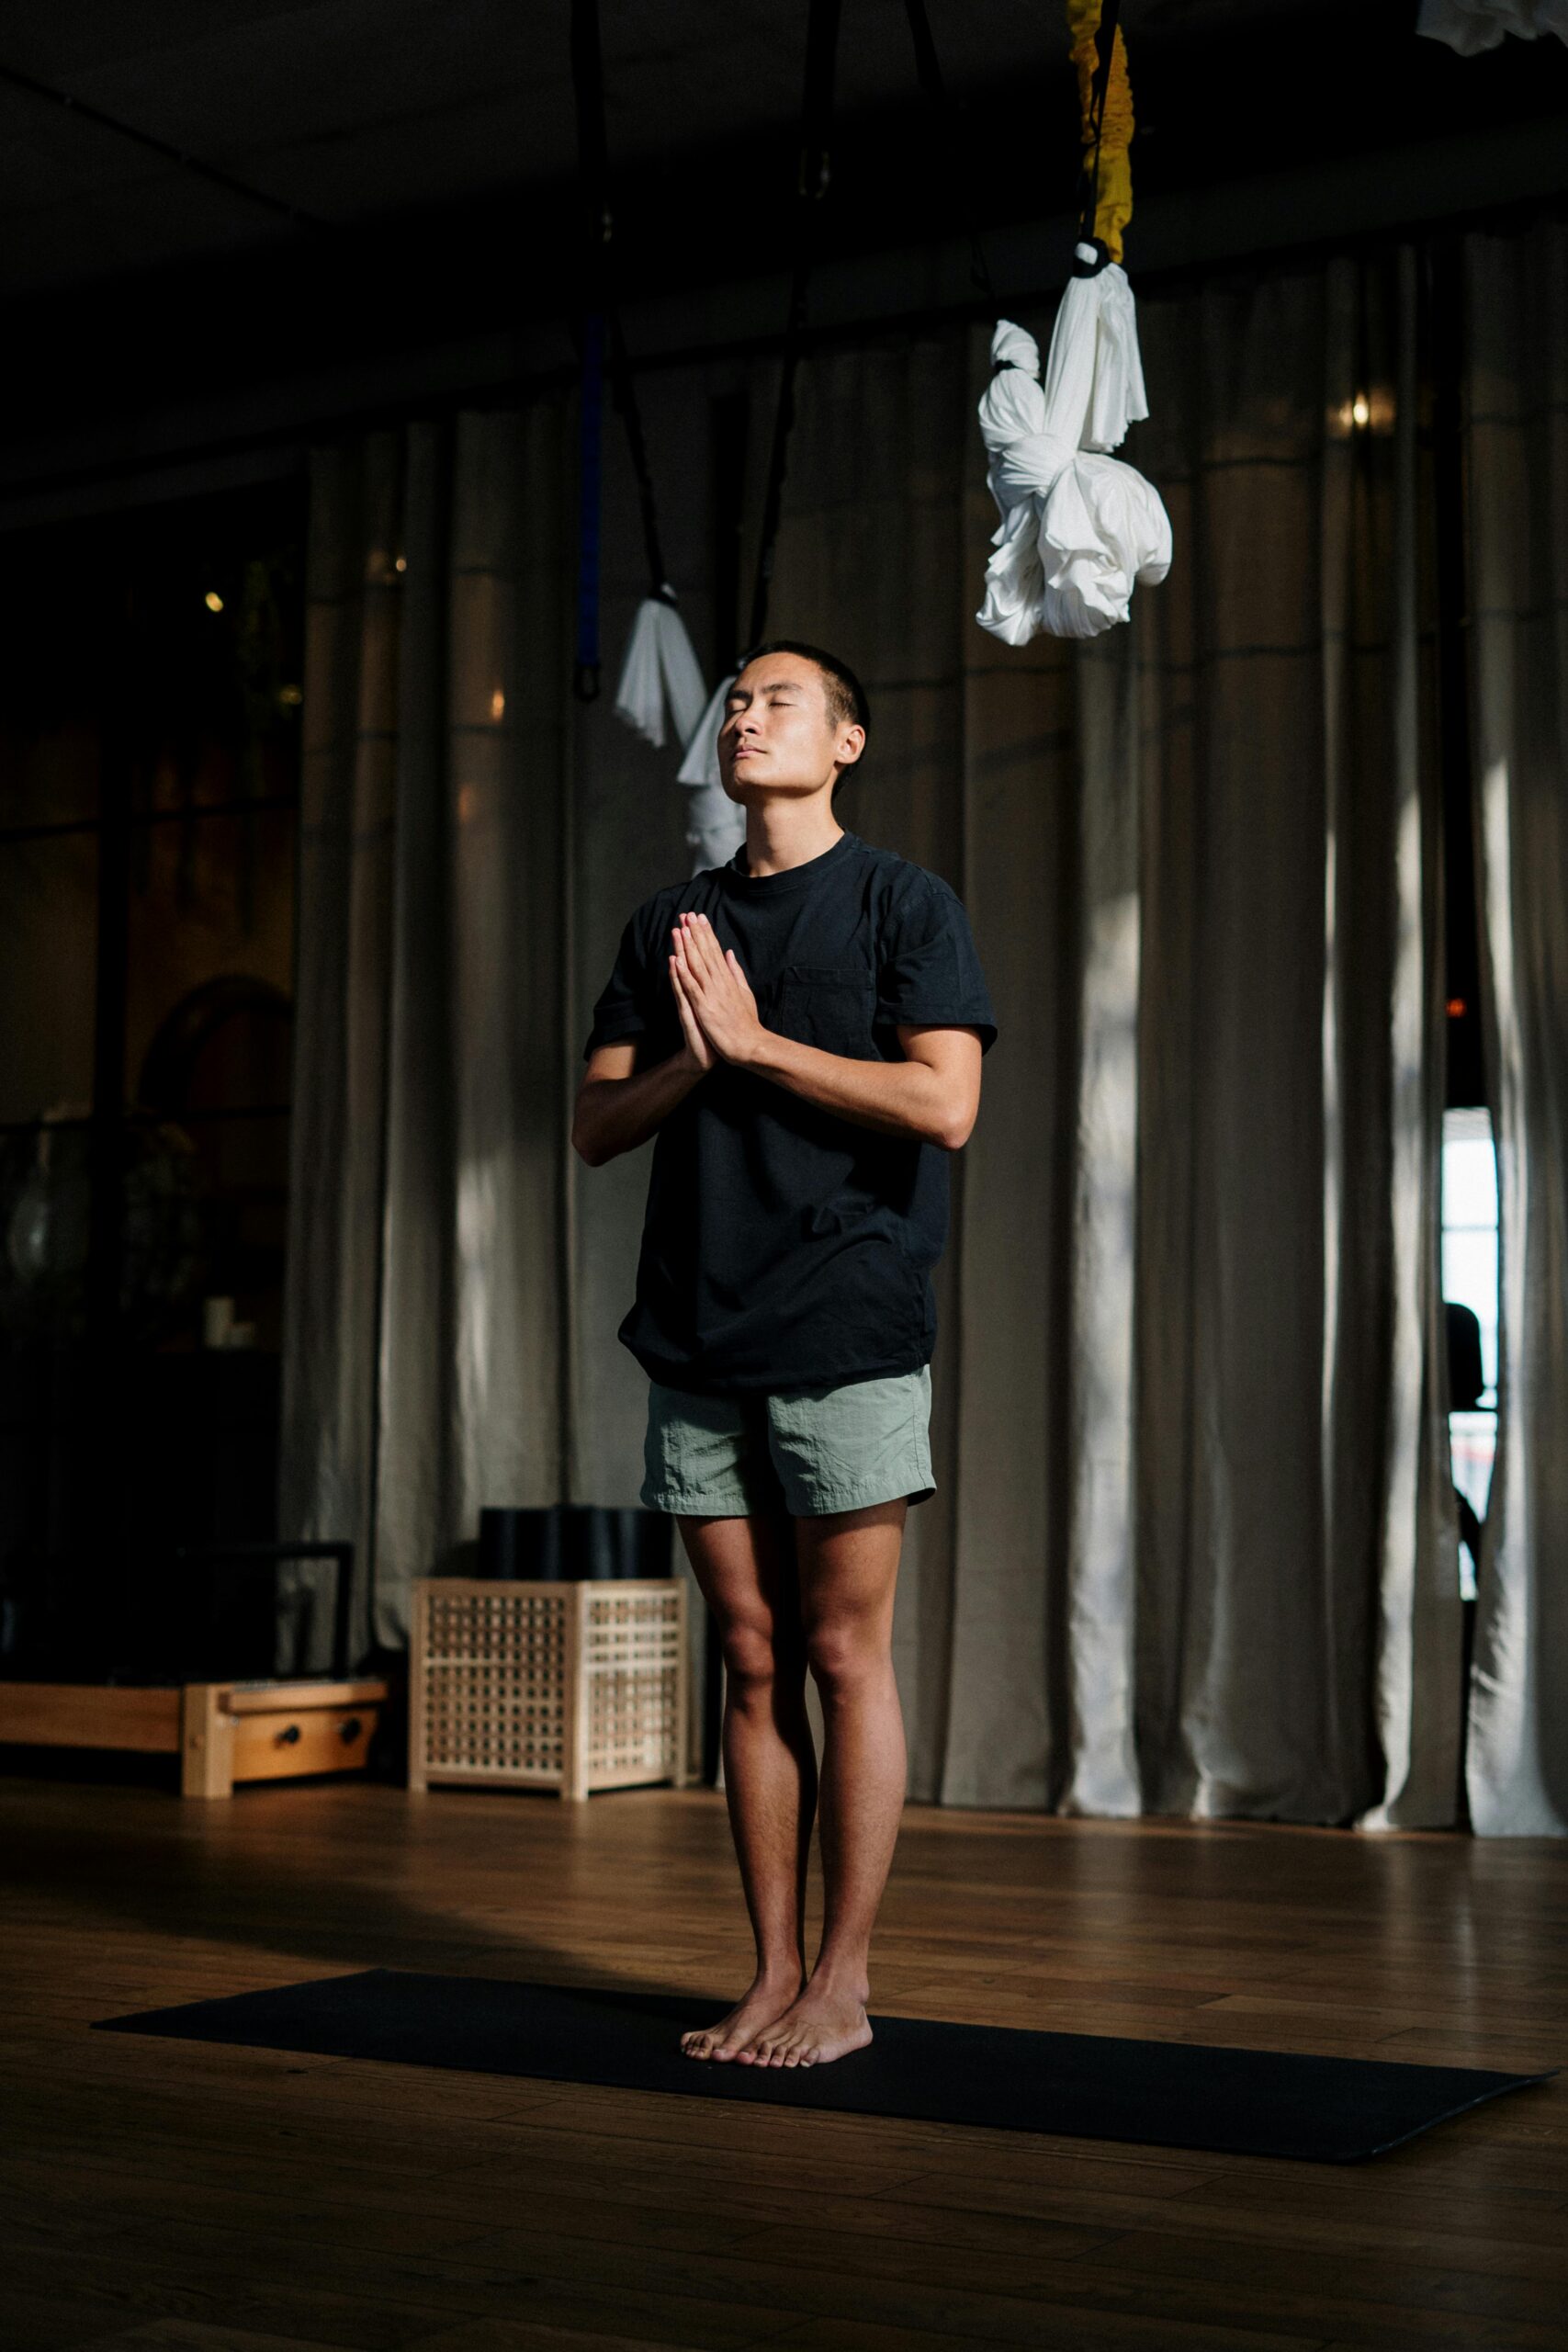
{"x": 398, "y": 216}
{"x": 363, "y": 112}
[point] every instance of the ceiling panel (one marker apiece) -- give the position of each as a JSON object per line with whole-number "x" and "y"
{"x": 357, "y": 109}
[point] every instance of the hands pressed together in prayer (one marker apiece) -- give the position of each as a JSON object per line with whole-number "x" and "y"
{"x": 719, "y": 1011}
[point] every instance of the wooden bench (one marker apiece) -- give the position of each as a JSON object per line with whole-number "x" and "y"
{"x": 221, "y": 1732}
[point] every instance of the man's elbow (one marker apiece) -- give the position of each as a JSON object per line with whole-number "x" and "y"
{"x": 585, "y": 1147}
{"x": 958, "y": 1127}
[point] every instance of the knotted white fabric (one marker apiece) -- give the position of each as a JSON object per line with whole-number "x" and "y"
{"x": 1079, "y": 528}
{"x": 659, "y": 668}
{"x": 1471, "y": 26}
{"x": 715, "y": 825}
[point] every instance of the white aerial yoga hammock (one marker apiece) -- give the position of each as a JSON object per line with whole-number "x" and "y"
{"x": 1080, "y": 528}
{"x": 661, "y": 673}
{"x": 715, "y": 825}
{"x": 1471, "y": 26}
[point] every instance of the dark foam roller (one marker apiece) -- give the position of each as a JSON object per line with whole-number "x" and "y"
{"x": 1095, "y": 2086}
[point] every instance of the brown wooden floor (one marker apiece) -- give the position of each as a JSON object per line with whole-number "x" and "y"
{"x": 163, "y": 2195}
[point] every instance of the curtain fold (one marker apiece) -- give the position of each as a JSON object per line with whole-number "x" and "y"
{"x": 337, "y": 1171}
{"x": 429, "y": 1332}
{"x": 1516, "y": 419}
{"x": 1192, "y": 1550}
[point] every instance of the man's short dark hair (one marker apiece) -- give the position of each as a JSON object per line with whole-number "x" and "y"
{"x": 847, "y": 704}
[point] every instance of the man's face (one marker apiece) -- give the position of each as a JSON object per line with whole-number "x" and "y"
{"x": 776, "y": 734}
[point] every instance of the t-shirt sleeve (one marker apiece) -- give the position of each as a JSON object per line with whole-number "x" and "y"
{"x": 928, "y": 971}
{"x": 625, "y": 1003}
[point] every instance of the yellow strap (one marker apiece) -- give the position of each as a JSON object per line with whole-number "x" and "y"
{"x": 1114, "y": 207}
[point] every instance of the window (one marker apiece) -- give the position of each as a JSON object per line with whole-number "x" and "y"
{"x": 1469, "y": 1280}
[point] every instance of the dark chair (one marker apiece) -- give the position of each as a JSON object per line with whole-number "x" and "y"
{"x": 562, "y": 1543}
{"x": 1466, "y": 1381}
{"x": 222, "y": 1605}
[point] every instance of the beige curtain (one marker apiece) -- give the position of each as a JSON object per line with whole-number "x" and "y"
{"x": 1518, "y": 465}
{"x": 429, "y": 1365}
{"x": 471, "y": 843}
{"x": 1190, "y": 1550}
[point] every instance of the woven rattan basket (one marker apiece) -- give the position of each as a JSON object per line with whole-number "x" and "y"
{"x": 568, "y": 1686}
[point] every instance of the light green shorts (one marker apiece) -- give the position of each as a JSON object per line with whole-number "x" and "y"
{"x": 801, "y": 1451}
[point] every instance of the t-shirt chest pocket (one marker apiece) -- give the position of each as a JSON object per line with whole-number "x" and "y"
{"x": 827, "y": 1005}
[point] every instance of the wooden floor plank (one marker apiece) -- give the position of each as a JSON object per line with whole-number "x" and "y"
{"x": 195, "y": 2335}
{"x": 157, "y": 2196}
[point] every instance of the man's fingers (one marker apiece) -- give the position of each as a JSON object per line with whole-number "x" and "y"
{"x": 685, "y": 998}
{"x": 697, "y": 975}
{"x": 701, "y": 959}
{"x": 699, "y": 941}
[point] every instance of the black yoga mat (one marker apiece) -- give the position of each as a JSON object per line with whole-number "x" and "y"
{"x": 1096, "y": 2087}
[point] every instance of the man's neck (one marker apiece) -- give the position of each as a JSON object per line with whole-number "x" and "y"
{"x": 782, "y": 838}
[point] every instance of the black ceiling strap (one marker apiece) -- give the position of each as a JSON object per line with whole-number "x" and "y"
{"x": 602, "y": 349}
{"x": 593, "y": 160}
{"x": 631, "y": 416}
{"x": 929, "y": 68}
{"x": 816, "y": 126}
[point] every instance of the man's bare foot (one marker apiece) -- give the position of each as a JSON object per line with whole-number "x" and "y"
{"x": 764, "y": 2001}
{"x": 827, "y": 2022}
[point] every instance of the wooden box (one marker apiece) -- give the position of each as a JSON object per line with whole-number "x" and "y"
{"x": 568, "y": 1686}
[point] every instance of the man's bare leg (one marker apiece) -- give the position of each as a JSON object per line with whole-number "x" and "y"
{"x": 747, "y": 1570}
{"x": 848, "y": 1565}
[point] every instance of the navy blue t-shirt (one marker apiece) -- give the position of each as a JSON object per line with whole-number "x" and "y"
{"x": 784, "y": 1246}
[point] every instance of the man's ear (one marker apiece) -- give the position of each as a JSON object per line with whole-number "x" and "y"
{"x": 858, "y": 732}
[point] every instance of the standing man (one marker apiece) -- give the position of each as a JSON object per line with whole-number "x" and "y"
{"x": 803, "y": 1029}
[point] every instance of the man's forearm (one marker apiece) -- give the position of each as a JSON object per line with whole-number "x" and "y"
{"x": 615, "y": 1114}
{"x": 899, "y": 1098}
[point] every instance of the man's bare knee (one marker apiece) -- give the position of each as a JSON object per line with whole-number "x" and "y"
{"x": 845, "y": 1657}
{"x": 749, "y": 1661}
{"x": 757, "y": 1656}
